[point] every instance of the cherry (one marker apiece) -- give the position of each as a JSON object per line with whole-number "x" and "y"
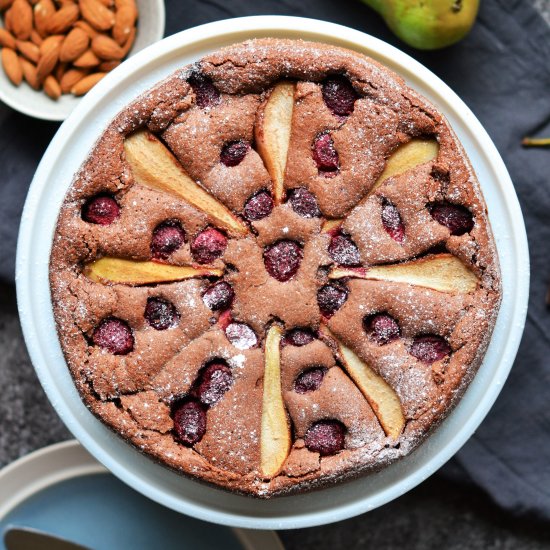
{"x": 344, "y": 251}
{"x": 298, "y": 337}
{"x": 331, "y": 298}
{"x": 241, "y": 335}
{"x": 309, "y": 380}
{"x": 258, "y": 206}
{"x": 325, "y": 437}
{"x": 161, "y": 314}
{"x": 383, "y": 328}
{"x": 214, "y": 380}
{"x": 101, "y": 210}
{"x": 218, "y": 296}
{"x": 208, "y": 245}
{"x": 453, "y": 216}
{"x": 234, "y": 152}
{"x": 429, "y": 348}
{"x": 189, "y": 422}
{"x": 304, "y": 203}
{"x": 114, "y": 335}
{"x": 339, "y": 95}
{"x": 167, "y": 238}
{"x": 325, "y": 155}
{"x": 206, "y": 94}
{"x": 391, "y": 220}
{"x": 283, "y": 259}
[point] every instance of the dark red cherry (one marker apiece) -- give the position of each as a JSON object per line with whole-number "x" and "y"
{"x": 101, "y": 210}
{"x": 215, "y": 379}
{"x": 339, "y": 95}
{"x": 258, "y": 206}
{"x": 167, "y": 238}
{"x": 298, "y": 337}
{"x": 344, "y": 251}
{"x": 382, "y": 328}
{"x": 456, "y": 218}
{"x": 208, "y": 245}
{"x": 206, "y": 94}
{"x": 234, "y": 152}
{"x": 283, "y": 259}
{"x": 325, "y": 155}
{"x": 189, "y": 422}
{"x": 391, "y": 220}
{"x": 331, "y": 298}
{"x": 218, "y": 296}
{"x": 304, "y": 203}
{"x": 325, "y": 437}
{"x": 241, "y": 335}
{"x": 429, "y": 348}
{"x": 309, "y": 380}
{"x": 161, "y": 314}
{"x": 114, "y": 335}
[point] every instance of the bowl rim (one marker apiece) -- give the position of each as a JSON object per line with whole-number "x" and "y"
{"x": 344, "y": 500}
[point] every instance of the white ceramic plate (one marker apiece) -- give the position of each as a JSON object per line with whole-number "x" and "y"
{"x": 65, "y": 154}
{"x": 38, "y": 105}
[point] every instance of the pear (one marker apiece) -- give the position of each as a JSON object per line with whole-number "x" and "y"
{"x": 427, "y": 24}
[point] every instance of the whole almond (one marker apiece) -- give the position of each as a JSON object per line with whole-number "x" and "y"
{"x": 95, "y": 13}
{"x": 127, "y": 4}
{"x": 7, "y": 21}
{"x": 36, "y": 38}
{"x": 6, "y": 39}
{"x": 21, "y": 19}
{"x": 106, "y": 66}
{"x": 130, "y": 42}
{"x": 70, "y": 78}
{"x": 49, "y": 55}
{"x": 5, "y": 4}
{"x": 51, "y": 87}
{"x": 29, "y": 72}
{"x": 87, "y": 60}
{"x": 12, "y": 66}
{"x": 29, "y": 50}
{"x": 61, "y": 21}
{"x": 124, "y": 22}
{"x": 106, "y": 48}
{"x": 86, "y": 27}
{"x": 43, "y": 11}
{"x": 87, "y": 83}
{"x": 74, "y": 45}
{"x": 60, "y": 71}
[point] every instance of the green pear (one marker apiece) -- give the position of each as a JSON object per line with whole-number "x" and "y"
{"x": 427, "y": 24}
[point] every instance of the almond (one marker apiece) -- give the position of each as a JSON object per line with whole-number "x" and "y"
{"x": 106, "y": 48}
{"x": 29, "y": 50}
{"x": 87, "y": 60}
{"x": 74, "y": 45}
{"x": 125, "y": 20}
{"x": 49, "y": 55}
{"x": 60, "y": 71}
{"x": 43, "y": 11}
{"x": 70, "y": 78}
{"x": 119, "y": 4}
{"x": 107, "y": 66}
{"x": 51, "y": 87}
{"x": 87, "y": 83}
{"x": 61, "y": 21}
{"x": 86, "y": 27}
{"x": 7, "y": 21}
{"x": 5, "y": 4}
{"x": 36, "y": 38}
{"x": 21, "y": 19}
{"x": 6, "y": 39}
{"x": 107, "y": 3}
{"x": 95, "y": 13}
{"x": 12, "y": 66}
{"x": 130, "y": 42}
{"x": 29, "y": 72}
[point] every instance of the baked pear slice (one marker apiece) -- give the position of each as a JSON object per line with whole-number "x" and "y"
{"x": 272, "y": 134}
{"x": 108, "y": 270}
{"x": 442, "y": 272}
{"x": 381, "y": 397}
{"x": 275, "y": 439}
{"x": 154, "y": 166}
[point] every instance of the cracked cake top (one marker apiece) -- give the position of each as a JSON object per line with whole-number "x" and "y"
{"x": 275, "y": 269}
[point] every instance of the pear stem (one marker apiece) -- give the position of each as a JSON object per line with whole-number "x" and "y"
{"x": 535, "y": 142}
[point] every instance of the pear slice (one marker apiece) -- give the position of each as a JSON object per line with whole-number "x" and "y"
{"x": 134, "y": 273}
{"x": 272, "y": 134}
{"x": 408, "y": 156}
{"x": 443, "y": 272}
{"x": 381, "y": 397}
{"x": 153, "y": 165}
{"x": 275, "y": 439}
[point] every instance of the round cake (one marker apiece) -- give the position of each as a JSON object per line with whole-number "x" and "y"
{"x": 275, "y": 270}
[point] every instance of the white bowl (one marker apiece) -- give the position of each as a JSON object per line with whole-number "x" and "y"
{"x": 37, "y": 104}
{"x": 65, "y": 154}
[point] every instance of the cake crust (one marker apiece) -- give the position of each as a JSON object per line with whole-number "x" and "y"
{"x": 134, "y": 393}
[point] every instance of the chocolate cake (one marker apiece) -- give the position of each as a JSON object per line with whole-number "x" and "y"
{"x": 275, "y": 269}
